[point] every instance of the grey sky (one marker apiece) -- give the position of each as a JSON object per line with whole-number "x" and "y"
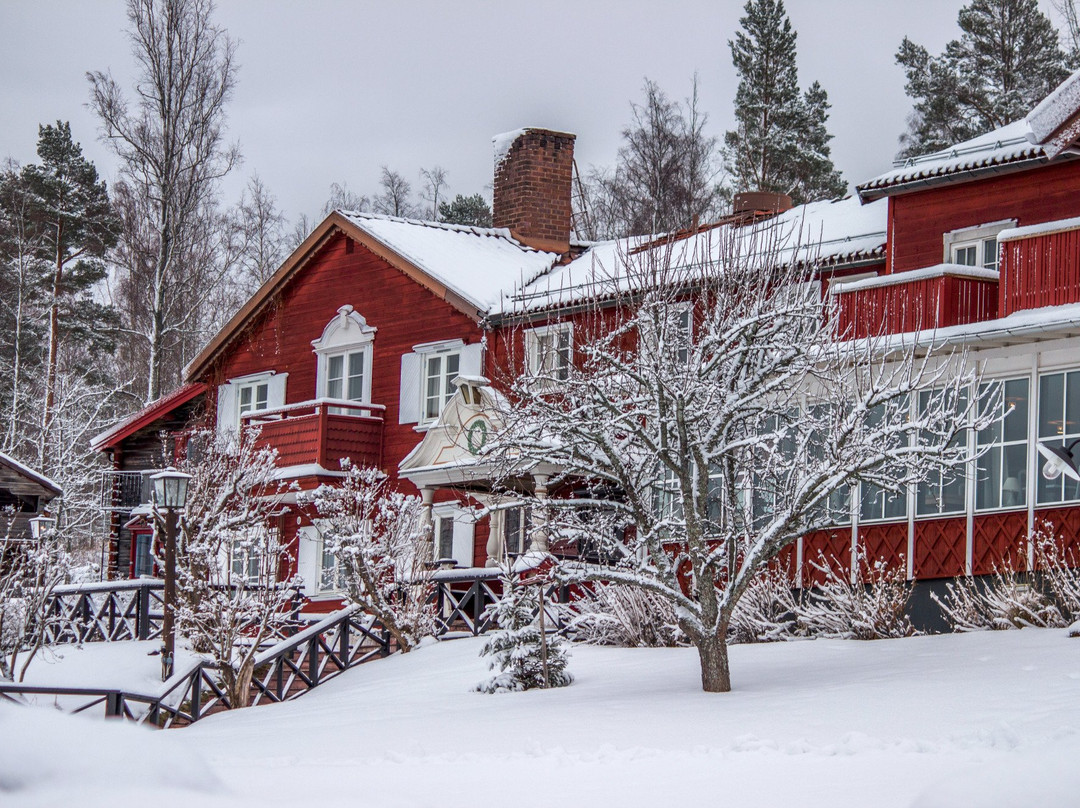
{"x": 331, "y": 90}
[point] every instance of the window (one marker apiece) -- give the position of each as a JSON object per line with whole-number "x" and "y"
{"x": 144, "y": 560}
{"x": 1001, "y": 469}
{"x": 440, "y": 370}
{"x": 331, "y": 571}
{"x": 683, "y": 332}
{"x": 875, "y": 502}
{"x": 547, "y": 350}
{"x": 942, "y": 491}
{"x": 975, "y": 246}
{"x": 1059, "y": 423}
{"x": 516, "y": 530}
{"x": 344, "y": 354}
{"x": 444, "y": 537}
{"x": 837, "y": 506}
{"x": 246, "y": 558}
{"x": 252, "y": 397}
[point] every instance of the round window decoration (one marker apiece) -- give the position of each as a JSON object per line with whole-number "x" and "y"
{"x": 476, "y": 435}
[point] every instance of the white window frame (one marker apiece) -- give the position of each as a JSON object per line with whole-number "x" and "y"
{"x": 1002, "y": 445}
{"x": 977, "y": 237}
{"x": 334, "y": 582}
{"x": 538, "y": 366}
{"x": 253, "y": 388}
{"x": 275, "y": 389}
{"x": 347, "y": 334}
{"x": 1063, "y": 435}
{"x": 443, "y": 352}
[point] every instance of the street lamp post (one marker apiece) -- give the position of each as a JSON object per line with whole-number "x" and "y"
{"x": 170, "y": 495}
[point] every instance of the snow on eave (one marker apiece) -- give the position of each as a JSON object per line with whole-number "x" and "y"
{"x": 1056, "y": 110}
{"x": 26, "y": 471}
{"x": 1044, "y": 229}
{"x": 1030, "y": 325}
{"x": 897, "y": 278}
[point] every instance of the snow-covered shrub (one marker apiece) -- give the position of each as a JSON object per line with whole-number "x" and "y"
{"x": 872, "y": 606}
{"x": 768, "y": 611}
{"x": 626, "y": 617}
{"x": 1011, "y": 598}
{"x": 525, "y": 655}
{"x": 382, "y": 548}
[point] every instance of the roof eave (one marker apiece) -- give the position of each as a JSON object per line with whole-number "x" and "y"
{"x": 873, "y": 193}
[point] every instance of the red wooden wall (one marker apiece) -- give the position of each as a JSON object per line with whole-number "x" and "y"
{"x": 918, "y": 220}
{"x": 925, "y": 303}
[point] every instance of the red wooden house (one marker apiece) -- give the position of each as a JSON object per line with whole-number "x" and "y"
{"x": 375, "y": 339}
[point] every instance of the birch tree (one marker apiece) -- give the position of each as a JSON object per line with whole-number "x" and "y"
{"x": 711, "y": 417}
{"x": 171, "y": 143}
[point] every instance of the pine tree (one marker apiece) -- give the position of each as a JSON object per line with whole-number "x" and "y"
{"x": 470, "y": 210}
{"x": 780, "y": 143}
{"x": 70, "y": 208}
{"x": 1007, "y": 59}
{"x": 524, "y": 654}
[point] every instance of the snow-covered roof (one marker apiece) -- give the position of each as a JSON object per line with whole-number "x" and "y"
{"x": 822, "y": 233}
{"x": 29, "y": 473}
{"x": 146, "y": 416}
{"x": 1045, "y": 132}
{"x": 1009, "y": 144}
{"x": 479, "y": 263}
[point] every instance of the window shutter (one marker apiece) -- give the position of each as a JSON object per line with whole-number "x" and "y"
{"x": 276, "y": 392}
{"x": 409, "y": 396}
{"x": 472, "y": 360}
{"x": 308, "y": 560}
{"x": 226, "y": 409}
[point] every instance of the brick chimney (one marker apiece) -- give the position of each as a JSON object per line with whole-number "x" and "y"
{"x": 534, "y": 171}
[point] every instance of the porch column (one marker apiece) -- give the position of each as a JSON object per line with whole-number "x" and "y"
{"x": 539, "y": 536}
{"x": 496, "y": 532}
{"x": 427, "y": 496}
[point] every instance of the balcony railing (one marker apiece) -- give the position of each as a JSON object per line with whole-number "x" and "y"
{"x": 322, "y": 432}
{"x": 124, "y": 490}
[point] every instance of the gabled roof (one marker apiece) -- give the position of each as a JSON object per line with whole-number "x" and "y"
{"x": 23, "y": 480}
{"x": 468, "y": 267}
{"x": 1051, "y": 127}
{"x": 146, "y": 416}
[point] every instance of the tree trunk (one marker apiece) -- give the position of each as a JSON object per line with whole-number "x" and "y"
{"x": 715, "y": 673}
{"x": 238, "y": 684}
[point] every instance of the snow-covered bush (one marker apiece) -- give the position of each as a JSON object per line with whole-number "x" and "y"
{"x": 626, "y": 617}
{"x": 1013, "y": 598}
{"x": 382, "y": 547}
{"x": 525, "y": 655}
{"x": 768, "y": 611}
{"x": 872, "y": 606}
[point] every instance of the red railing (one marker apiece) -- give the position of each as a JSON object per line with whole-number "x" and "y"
{"x": 899, "y": 306}
{"x": 1040, "y": 270}
{"x": 322, "y": 432}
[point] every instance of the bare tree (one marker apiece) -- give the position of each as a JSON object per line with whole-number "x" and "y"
{"x": 260, "y": 231}
{"x": 434, "y": 182}
{"x": 712, "y": 417}
{"x": 229, "y": 555}
{"x": 171, "y": 143}
{"x": 396, "y": 196}
{"x": 382, "y": 548}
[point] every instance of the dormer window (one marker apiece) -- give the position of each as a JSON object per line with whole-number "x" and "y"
{"x": 344, "y": 354}
{"x": 975, "y": 246}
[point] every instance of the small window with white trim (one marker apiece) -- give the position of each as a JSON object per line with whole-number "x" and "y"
{"x": 547, "y": 351}
{"x": 444, "y": 536}
{"x": 331, "y": 571}
{"x": 440, "y": 370}
{"x": 252, "y": 397}
{"x": 975, "y": 246}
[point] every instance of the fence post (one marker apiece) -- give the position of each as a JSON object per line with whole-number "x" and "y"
{"x": 343, "y": 643}
{"x": 142, "y": 611}
{"x": 114, "y": 702}
{"x": 196, "y": 694}
{"x": 313, "y": 660}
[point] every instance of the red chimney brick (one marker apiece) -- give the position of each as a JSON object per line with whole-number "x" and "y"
{"x": 533, "y": 180}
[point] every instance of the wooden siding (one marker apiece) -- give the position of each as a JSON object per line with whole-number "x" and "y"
{"x": 940, "y": 547}
{"x": 919, "y": 220}
{"x": 997, "y": 540}
{"x": 403, "y": 312}
{"x": 924, "y": 303}
{"x": 324, "y": 439}
{"x": 1040, "y": 271}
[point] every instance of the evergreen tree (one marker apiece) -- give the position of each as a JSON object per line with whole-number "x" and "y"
{"x": 470, "y": 210}
{"x": 780, "y": 142}
{"x": 1007, "y": 59}
{"x": 70, "y": 209}
{"x": 524, "y": 654}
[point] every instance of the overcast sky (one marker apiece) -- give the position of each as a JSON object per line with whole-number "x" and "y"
{"x": 330, "y": 90}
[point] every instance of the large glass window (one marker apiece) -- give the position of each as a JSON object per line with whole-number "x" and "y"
{"x": 440, "y": 370}
{"x": 943, "y": 491}
{"x": 875, "y": 502}
{"x": 1059, "y": 423}
{"x": 1001, "y": 469}
{"x": 837, "y": 506}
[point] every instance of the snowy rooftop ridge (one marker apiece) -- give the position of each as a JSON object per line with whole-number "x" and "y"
{"x": 26, "y": 471}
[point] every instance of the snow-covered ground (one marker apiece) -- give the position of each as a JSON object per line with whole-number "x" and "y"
{"x": 988, "y": 719}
